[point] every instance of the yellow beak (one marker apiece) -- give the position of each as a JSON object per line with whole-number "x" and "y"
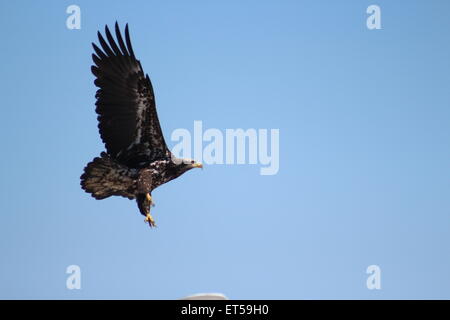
{"x": 197, "y": 165}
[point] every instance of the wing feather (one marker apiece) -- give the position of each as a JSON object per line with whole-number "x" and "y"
{"x": 120, "y": 40}
{"x": 128, "y": 121}
{"x": 111, "y": 41}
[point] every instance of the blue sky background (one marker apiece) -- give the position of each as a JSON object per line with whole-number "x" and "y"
{"x": 364, "y": 151}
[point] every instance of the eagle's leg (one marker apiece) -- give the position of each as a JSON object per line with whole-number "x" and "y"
{"x": 150, "y": 220}
{"x": 144, "y": 201}
{"x": 148, "y": 204}
{"x": 149, "y": 198}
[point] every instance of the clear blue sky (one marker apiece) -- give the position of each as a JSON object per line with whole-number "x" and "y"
{"x": 364, "y": 151}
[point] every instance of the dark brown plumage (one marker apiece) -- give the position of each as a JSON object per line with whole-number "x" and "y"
{"x": 137, "y": 159}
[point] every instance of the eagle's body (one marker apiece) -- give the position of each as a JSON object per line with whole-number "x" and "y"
{"x": 137, "y": 159}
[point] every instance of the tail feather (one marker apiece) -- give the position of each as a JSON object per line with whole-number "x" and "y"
{"x": 103, "y": 177}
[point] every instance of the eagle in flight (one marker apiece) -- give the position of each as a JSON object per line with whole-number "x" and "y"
{"x": 137, "y": 159}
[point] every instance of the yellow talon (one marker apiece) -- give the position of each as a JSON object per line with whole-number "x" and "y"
{"x": 149, "y": 197}
{"x": 150, "y": 220}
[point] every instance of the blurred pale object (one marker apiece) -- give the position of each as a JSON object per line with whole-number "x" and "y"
{"x": 206, "y": 296}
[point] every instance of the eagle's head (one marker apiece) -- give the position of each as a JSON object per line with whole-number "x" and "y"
{"x": 188, "y": 164}
{"x": 180, "y": 166}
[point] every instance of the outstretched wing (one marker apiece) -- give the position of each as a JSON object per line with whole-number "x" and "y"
{"x": 128, "y": 122}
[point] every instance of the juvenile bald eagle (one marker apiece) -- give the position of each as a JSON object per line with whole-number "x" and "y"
{"x": 137, "y": 159}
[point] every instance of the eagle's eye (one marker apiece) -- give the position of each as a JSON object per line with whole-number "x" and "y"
{"x": 192, "y": 162}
